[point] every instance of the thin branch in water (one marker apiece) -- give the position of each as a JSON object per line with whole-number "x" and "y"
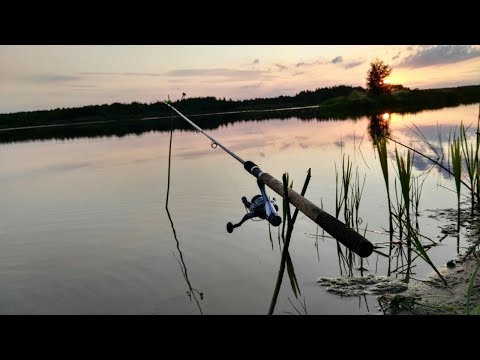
{"x": 192, "y": 291}
{"x": 303, "y": 305}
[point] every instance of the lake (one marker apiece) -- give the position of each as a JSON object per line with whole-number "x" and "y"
{"x": 84, "y": 230}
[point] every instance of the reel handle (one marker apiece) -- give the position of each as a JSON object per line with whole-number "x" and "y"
{"x": 272, "y": 216}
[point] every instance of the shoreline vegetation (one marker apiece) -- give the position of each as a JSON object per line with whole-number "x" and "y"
{"x": 332, "y": 103}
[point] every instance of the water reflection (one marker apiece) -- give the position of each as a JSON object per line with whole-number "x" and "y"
{"x": 115, "y": 191}
{"x": 192, "y": 292}
{"x": 378, "y": 126}
{"x": 300, "y": 308}
{"x": 364, "y": 300}
{"x": 120, "y": 128}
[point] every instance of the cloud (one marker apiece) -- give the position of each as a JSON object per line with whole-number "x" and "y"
{"x": 421, "y": 164}
{"x": 352, "y": 64}
{"x": 337, "y": 60}
{"x": 230, "y": 74}
{"x": 250, "y": 86}
{"x": 66, "y": 166}
{"x": 313, "y": 63}
{"x": 281, "y": 67}
{"x": 90, "y": 73}
{"x": 50, "y": 78}
{"x": 318, "y": 62}
{"x": 396, "y": 56}
{"x": 439, "y": 54}
{"x": 256, "y": 61}
{"x": 84, "y": 86}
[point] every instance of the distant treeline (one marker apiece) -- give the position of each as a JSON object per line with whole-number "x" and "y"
{"x": 126, "y": 127}
{"x": 136, "y": 110}
{"x": 339, "y": 102}
{"x": 357, "y": 103}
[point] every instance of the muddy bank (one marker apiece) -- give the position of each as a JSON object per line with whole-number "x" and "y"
{"x": 367, "y": 285}
{"x": 429, "y": 296}
{"x": 422, "y": 297}
{"x": 432, "y": 297}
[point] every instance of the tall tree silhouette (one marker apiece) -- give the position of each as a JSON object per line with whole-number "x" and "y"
{"x": 375, "y": 77}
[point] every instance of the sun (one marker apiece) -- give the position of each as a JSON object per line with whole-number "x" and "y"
{"x": 386, "y": 116}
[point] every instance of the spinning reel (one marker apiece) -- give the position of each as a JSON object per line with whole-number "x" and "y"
{"x": 260, "y": 206}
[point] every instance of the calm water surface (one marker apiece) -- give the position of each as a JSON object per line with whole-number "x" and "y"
{"x": 83, "y": 226}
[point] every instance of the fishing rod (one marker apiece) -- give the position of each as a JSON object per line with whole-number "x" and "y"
{"x": 337, "y": 229}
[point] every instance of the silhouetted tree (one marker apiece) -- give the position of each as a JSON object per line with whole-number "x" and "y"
{"x": 375, "y": 77}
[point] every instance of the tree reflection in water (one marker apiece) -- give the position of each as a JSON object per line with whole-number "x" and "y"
{"x": 378, "y": 126}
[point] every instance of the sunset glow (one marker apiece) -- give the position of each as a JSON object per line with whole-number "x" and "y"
{"x": 47, "y": 77}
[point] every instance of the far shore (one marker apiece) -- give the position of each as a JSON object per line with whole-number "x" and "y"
{"x": 337, "y": 103}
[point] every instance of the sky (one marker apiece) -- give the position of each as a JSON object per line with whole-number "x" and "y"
{"x": 48, "y": 77}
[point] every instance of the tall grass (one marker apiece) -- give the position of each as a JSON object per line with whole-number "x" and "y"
{"x": 339, "y": 203}
{"x": 357, "y": 192}
{"x": 348, "y": 196}
{"x": 405, "y": 178}
{"x": 383, "y": 157}
{"x": 346, "y": 180}
{"x": 404, "y": 175}
{"x": 397, "y": 215}
{"x": 338, "y": 194}
{"x": 471, "y": 161}
{"x": 417, "y": 188}
{"x": 408, "y": 191}
{"x": 457, "y": 172}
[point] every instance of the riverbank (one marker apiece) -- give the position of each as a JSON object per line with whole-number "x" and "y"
{"x": 431, "y": 296}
